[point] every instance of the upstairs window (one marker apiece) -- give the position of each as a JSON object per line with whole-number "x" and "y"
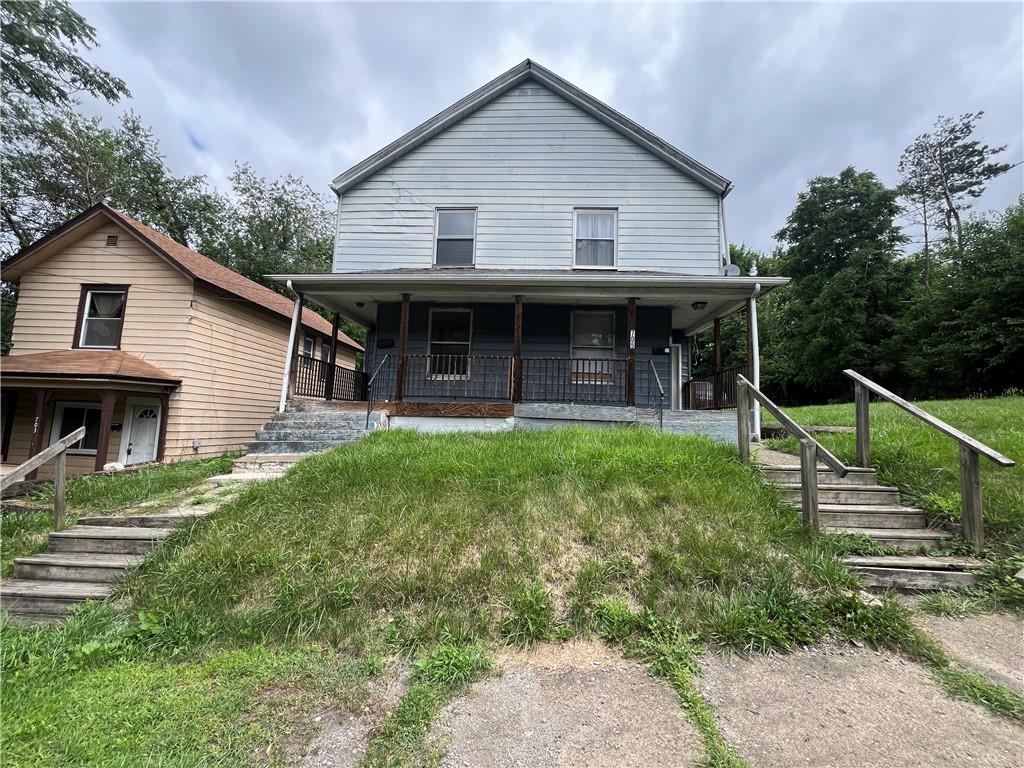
{"x": 594, "y": 234}
{"x": 101, "y": 317}
{"x": 454, "y": 244}
{"x": 309, "y": 346}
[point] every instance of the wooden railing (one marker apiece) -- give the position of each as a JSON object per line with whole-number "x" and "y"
{"x": 714, "y": 391}
{"x": 58, "y": 452}
{"x": 321, "y": 379}
{"x": 970, "y": 451}
{"x": 810, "y": 449}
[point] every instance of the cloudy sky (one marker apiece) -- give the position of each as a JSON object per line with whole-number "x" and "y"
{"x": 769, "y": 95}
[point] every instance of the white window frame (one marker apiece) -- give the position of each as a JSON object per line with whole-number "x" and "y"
{"x": 325, "y": 350}
{"x": 615, "y": 238}
{"x": 597, "y": 378}
{"x": 58, "y": 420}
{"x": 437, "y": 222}
{"x": 85, "y": 317}
{"x": 309, "y": 340}
{"x": 430, "y": 344}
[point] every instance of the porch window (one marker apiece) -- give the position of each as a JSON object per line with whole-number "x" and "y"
{"x": 70, "y": 416}
{"x": 101, "y": 317}
{"x": 593, "y": 341}
{"x": 325, "y": 351}
{"x": 309, "y": 346}
{"x": 595, "y": 233}
{"x": 455, "y": 240}
{"x": 450, "y": 333}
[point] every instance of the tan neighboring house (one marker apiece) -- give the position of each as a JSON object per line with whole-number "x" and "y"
{"x": 161, "y": 353}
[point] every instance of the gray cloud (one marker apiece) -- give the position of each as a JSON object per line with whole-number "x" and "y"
{"x": 770, "y": 95}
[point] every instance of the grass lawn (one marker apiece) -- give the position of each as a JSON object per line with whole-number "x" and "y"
{"x": 24, "y": 533}
{"x": 439, "y": 548}
{"x": 924, "y": 463}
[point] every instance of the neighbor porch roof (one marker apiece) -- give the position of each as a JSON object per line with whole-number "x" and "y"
{"x": 82, "y": 365}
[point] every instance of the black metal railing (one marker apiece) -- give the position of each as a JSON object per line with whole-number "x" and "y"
{"x": 717, "y": 390}
{"x": 658, "y": 397}
{"x": 318, "y": 378}
{"x": 458, "y": 377}
{"x": 574, "y": 380}
{"x": 380, "y": 380}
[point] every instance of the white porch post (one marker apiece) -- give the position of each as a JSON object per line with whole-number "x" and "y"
{"x": 755, "y": 362}
{"x": 290, "y": 359}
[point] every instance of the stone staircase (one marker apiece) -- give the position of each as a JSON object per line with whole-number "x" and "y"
{"x": 859, "y": 504}
{"x": 83, "y": 563}
{"x": 305, "y": 427}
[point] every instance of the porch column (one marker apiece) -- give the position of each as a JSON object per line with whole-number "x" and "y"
{"x": 107, "y": 400}
{"x": 716, "y": 383}
{"x": 403, "y": 344}
{"x": 335, "y": 320}
{"x": 38, "y": 428}
{"x": 10, "y": 407}
{"x": 517, "y": 352}
{"x": 754, "y": 360}
{"x": 631, "y": 352}
{"x": 165, "y": 407}
{"x": 289, "y": 362}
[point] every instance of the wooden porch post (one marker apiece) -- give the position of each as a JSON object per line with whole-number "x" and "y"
{"x": 716, "y": 383}
{"x": 329, "y": 394}
{"x": 10, "y": 407}
{"x": 517, "y": 352}
{"x": 38, "y": 428}
{"x": 107, "y": 400}
{"x": 403, "y": 344}
{"x": 165, "y": 408}
{"x": 631, "y": 352}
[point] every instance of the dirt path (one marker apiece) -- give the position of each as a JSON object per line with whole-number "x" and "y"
{"x": 578, "y": 704}
{"x": 992, "y": 645}
{"x": 838, "y": 708}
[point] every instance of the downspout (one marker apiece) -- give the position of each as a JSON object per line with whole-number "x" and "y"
{"x": 726, "y": 256}
{"x": 289, "y": 360}
{"x": 755, "y": 353}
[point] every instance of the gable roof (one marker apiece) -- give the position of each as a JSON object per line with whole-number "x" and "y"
{"x": 531, "y": 70}
{"x": 194, "y": 265}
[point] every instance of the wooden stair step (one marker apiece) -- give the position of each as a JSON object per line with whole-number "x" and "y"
{"x": 127, "y": 532}
{"x": 74, "y": 566}
{"x": 881, "y": 509}
{"x": 49, "y": 598}
{"x": 839, "y": 487}
{"x": 163, "y": 520}
{"x": 932, "y": 534}
{"x": 915, "y": 562}
{"x": 916, "y": 573}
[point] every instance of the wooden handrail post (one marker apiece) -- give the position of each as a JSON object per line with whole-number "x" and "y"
{"x": 862, "y": 399}
{"x": 331, "y": 364}
{"x": 743, "y": 421}
{"x": 60, "y": 480}
{"x": 970, "y": 497}
{"x": 809, "y": 483}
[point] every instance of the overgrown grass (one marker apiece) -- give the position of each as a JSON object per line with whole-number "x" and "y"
{"x": 925, "y": 463}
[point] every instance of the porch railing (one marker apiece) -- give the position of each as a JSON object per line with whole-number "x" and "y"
{"x": 321, "y": 379}
{"x": 574, "y": 380}
{"x": 714, "y": 391}
{"x": 458, "y": 377}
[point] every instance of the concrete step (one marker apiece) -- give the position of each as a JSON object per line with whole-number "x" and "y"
{"x": 294, "y": 446}
{"x": 322, "y": 417}
{"x": 791, "y": 474}
{"x": 267, "y": 462}
{"x": 74, "y": 566}
{"x": 49, "y": 598}
{"x": 163, "y": 520}
{"x": 326, "y": 434}
{"x": 915, "y": 573}
{"x": 108, "y": 539}
{"x": 844, "y": 493}
{"x": 904, "y": 538}
{"x": 245, "y": 477}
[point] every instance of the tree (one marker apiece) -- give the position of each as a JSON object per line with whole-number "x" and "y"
{"x": 919, "y": 188}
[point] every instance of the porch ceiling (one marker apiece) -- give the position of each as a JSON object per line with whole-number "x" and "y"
{"x": 356, "y": 295}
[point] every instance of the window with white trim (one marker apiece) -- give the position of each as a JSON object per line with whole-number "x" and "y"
{"x": 70, "y": 416}
{"x": 455, "y": 237}
{"x": 102, "y": 316}
{"x": 325, "y": 351}
{"x": 594, "y": 233}
{"x": 593, "y": 341}
{"x": 451, "y": 332}
{"x": 309, "y": 346}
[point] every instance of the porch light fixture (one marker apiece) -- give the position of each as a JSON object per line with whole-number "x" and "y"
{"x": 699, "y": 305}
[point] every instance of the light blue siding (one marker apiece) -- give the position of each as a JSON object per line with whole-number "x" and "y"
{"x": 525, "y": 161}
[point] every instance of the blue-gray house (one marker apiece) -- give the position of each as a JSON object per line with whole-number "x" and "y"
{"x": 530, "y": 245}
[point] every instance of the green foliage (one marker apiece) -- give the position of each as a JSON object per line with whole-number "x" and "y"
{"x": 531, "y": 616}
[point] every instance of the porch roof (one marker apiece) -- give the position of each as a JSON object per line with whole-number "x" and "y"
{"x": 82, "y": 366}
{"x": 356, "y": 294}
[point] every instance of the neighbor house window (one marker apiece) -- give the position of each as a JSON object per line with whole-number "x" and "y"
{"x": 594, "y": 238}
{"x": 70, "y": 416}
{"x": 101, "y": 317}
{"x": 455, "y": 240}
{"x": 325, "y": 351}
{"x": 309, "y": 346}
{"x": 450, "y": 334}
{"x": 593, "y": 341}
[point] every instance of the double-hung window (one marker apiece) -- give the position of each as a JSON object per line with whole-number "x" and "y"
{"x": 593, "y": 342}
{"x": 455, "y": 237}
{"x": 594, "y": 233}
{"x": 309, "y": 346}
{"x": 101, "y": 316}
{"x": 69, "y": 417}
{"x": 325, "y": 351}
{"x": 450, "y": 333}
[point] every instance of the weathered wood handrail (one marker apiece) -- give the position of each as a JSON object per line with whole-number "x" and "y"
{"x": 970, "y": 450}
{"x": 56, "y": 451}
{"x": 745, "y": 390}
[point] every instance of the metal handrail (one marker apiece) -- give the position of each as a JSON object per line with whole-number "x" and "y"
{"x": 797, "y": 431}
{"x": 369, "y": 388}
{"x": 661, "y": 394}
{"x": 56, "y": 451}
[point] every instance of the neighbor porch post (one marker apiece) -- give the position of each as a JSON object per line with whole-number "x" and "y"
{"x": 289, "y": 361}
{"x": 517, "y": 352}
{"x": 335, "y": 321}
{"x": 38, "y": 429}
{"x": 403, "y": 345}
{"x": 754, "y": 360}
{"x": 631, "y": 352}
{"x": 161, "y": 443}
{"x": 107, "y": 399}
{"x": 716, "y": 374}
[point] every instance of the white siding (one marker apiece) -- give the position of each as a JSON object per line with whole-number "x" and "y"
{"x": 525, "y": 161}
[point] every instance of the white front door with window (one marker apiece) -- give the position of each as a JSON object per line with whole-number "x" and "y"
{"x": 142, "y": 432}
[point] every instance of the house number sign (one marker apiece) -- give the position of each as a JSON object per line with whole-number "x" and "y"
{"x": 632, "y": 339}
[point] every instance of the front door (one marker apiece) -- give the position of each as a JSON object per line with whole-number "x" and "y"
{"x": 143, "y": 432}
